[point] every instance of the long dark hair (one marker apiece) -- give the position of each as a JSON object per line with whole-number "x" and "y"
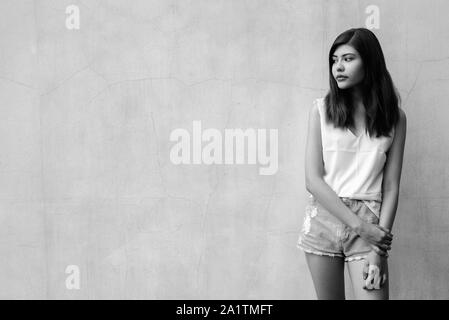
{"x": 380, "y": 97}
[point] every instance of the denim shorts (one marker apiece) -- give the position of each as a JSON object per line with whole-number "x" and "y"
{"x": 324, "y": 234}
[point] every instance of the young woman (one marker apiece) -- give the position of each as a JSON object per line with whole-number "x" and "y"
{"x": 353, "y": 165}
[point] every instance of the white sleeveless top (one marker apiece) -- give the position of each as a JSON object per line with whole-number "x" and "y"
{"x": 353, "y": 165}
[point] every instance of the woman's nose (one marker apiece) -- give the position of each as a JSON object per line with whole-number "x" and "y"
{"x": 339, "y": 66}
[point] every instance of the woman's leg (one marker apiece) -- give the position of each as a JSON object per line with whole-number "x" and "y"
{"x": 328, "y": 276}
{"x": 355, "y": 269}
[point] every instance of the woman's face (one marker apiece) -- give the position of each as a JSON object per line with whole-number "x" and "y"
{"x": 347, "y": 64}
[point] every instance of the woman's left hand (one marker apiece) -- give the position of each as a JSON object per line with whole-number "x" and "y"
{"x": 374, "y": 271}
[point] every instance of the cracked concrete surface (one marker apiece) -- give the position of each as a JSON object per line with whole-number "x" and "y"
{"x": 86, "y": 116}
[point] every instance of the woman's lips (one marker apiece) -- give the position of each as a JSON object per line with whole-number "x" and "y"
{"x": 341, "y": 78}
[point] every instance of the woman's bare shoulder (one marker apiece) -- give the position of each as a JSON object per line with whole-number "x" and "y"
{"x": 402, "y": 123}
{"x": 316, "y": 110}
{"x": 402, "y": 115}
{"x": 317, "y": 104}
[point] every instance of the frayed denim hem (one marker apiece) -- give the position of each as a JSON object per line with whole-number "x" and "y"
{"x": 355, "y": 258}
{"x": 319, "y": 253}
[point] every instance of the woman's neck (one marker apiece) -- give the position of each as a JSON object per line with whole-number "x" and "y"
{"x": 357, "y": 99}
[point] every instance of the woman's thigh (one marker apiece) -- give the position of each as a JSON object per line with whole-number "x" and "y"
{"x": 355, "y": 270}
{"x": 327, "y": 275}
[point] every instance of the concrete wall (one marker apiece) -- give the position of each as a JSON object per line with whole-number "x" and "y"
{"x": 86, "y": 180}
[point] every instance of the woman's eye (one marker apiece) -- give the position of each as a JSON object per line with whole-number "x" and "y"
{"x": 348, "y": 59}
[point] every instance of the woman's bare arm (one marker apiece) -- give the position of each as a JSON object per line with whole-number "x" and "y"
{"x": 392, "y": 174}
{"x": 314, "y": 173}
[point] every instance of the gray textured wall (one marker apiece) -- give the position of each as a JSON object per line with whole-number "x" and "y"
{"x": 86, "y": 115}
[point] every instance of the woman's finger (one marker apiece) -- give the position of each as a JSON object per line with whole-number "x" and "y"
{"x": 387, "y": 237}
{"x": 386, "y": 230}
{"x": 379, "y": 251}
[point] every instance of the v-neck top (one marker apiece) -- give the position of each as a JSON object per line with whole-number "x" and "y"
{"x": 353, "y": 165}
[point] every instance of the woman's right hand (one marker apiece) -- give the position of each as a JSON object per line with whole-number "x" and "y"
{"x": 379, "y": 237}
